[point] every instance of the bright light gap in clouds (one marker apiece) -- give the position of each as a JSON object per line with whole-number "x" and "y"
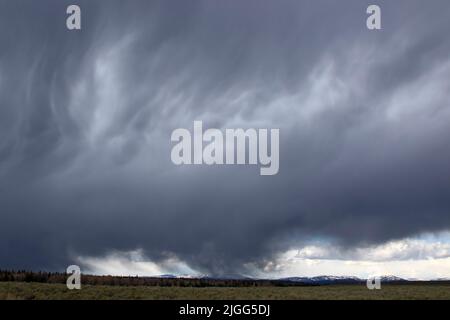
{"x": 430, "y": 254}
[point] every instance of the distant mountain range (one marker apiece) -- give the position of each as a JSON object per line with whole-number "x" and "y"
{"x": 306, "y": 280}
{"x": 229, "y": 280}
{"x": 338, "y": 279}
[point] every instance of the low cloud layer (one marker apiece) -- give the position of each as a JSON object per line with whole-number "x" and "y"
{"x": 86, "y": 118}
{"x": 405, "y": 249}
{"x": 423, "y": 257}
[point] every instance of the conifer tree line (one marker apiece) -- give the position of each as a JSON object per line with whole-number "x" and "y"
{"x": 57, "y": 277}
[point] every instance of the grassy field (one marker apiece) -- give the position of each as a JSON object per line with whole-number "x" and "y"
{"x": 22, "y": 290}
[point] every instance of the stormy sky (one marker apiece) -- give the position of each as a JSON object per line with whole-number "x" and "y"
{"x": 86, "y": 118}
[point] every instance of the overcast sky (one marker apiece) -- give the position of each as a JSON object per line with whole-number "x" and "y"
{"x": 364, "y": 118}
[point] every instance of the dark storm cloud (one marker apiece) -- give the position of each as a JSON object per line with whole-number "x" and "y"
{"x": 86, "y": 117}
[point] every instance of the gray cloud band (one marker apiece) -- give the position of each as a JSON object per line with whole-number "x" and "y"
{"x": 86, "y": 119}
